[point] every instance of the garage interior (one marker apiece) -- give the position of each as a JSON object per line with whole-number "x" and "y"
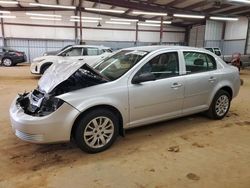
{"x": 192, "y": 151}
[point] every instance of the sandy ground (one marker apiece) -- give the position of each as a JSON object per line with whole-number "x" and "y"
{"x": 203, "y": 152}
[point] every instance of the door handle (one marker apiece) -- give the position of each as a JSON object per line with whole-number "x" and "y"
{"x": 80, "y": 59}
{"x": 176, "y": 85}
{"x": 211, "y": 79}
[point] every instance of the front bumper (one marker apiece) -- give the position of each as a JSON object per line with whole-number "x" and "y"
{"x": 55, "y": 127}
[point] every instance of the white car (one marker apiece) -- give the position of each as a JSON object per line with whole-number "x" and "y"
{"x": 72, "y": 53}
{"x": 134, "y": 87}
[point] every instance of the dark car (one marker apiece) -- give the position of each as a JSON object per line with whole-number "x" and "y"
{"x": 56, "y": 52}
{"x": 10, "y": 57}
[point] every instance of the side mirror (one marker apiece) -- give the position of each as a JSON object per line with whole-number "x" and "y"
{"x": 143, "y": 78}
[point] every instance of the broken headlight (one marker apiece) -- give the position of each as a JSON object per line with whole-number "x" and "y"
{"x": 49, "y": 105}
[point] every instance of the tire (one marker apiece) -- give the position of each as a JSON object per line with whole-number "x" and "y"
{"x": 93, "y": 139}
{"x": 7, "y": 62}
{"x": 44, "y": 68}
{"x": 220, "y": 105}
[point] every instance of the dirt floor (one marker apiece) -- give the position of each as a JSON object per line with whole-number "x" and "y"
{"x": 189, "y": 152}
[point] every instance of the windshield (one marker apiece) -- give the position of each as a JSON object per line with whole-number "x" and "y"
{"x": 118, "y": 64}
{"x": 217, "y": 51}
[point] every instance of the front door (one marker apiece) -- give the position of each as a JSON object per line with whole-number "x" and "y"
{"x": 159, "y": 99}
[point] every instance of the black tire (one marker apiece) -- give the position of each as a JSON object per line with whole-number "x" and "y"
{"x": 212, "y": 112}
{"x": 86, "y": 125}
{"x": 44, "y": 68}
{"x": 7, "y": 62}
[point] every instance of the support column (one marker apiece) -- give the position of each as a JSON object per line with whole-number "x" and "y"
{"x": 76, "y": 29}
{"x": 80, "y": 14}
{"x": 136, "y": 34}
{"x": 3, "y": 34}
{"x": 161, "y": 30}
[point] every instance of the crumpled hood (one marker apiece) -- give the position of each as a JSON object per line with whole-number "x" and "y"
{"x": 59, "y": 72}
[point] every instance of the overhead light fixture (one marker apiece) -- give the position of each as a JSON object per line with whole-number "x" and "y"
{"x": 150, "y": 13}
{"x": 86, "y": 17}
{"x": 223, "y": 18}
{"x": 240, "y": 1}
{"x": 9, "y": 2}
{"x": 4, "y": 12}
{"x": 5, "y": 16}
{"x": 43, "y": 15}
{"x": 89, "y": 21}
{"x": 124, "y": 20}
{"x": 43, "y": 18}
{"x": 121, "y": 23}
{"x": 52, "y": 6}
{"x": 189, "y": 16}
{"x": 158, "y": 21}
{"x": 105, "y": 10}
{"x": 151, "y": 25}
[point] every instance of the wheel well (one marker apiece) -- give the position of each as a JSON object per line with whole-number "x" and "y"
{"x": 45, "y": 65}
{"x": 111, "y": 108}
{"x": 228, "y": 89}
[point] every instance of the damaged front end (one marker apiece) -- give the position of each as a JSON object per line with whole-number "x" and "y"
{"x": 43, "y": 101}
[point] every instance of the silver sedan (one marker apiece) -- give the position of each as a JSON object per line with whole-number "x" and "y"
{"x": 134, "y": 87}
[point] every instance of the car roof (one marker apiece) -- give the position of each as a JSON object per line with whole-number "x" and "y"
{"x": 163, "y": 47}
{"x": 91, "y": 46}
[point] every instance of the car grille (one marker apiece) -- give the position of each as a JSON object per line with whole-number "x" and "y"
{"x": 29, "y": 137}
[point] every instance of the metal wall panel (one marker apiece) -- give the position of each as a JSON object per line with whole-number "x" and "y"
{"x": 196, "y": 37}
{"x": 213, "y": 30}
{"x": 232, "y": 46}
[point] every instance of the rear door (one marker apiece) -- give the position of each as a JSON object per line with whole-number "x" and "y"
{"x": 200, "y": 80}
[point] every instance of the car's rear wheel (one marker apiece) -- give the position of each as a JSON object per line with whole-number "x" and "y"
{"x": 7, "y": 62}
{"x": 97, "y": 130}
{"x": 220, "y": 105}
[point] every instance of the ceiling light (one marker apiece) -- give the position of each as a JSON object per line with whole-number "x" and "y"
{"x": 152, "y": 25}
{"x": 158, "y": 21}
{"x": 240, "y": 1}
{"x": 124, "y": 20}
{"x": 122, "y": 23}
{"x": 223, "y": 18}
{"x": 89, "y": 21}
{"x": 4, "y": 12}
{"x": 43, "y": 15}
{"x": 150, "y": 13}
{"x": 9, "y": 2}
{"x": 4, "y": 16}
{"x": 189, "y": 16}
{"x": 42, "y": 18}
{"x": 105, "y": 10}
{"x": 52, "y": 6}
{"x": 87, "y": 18}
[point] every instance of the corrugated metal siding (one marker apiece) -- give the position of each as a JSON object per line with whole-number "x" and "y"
{"x": 34, "y": 48}
{"x": 196, "y": 37}
{"x": 213, "y": 30}
{"x": 230, "y": 47}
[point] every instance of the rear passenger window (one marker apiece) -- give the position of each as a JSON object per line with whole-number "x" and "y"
{"x": 91, "y": 51}
{"x": 198, "y": 62}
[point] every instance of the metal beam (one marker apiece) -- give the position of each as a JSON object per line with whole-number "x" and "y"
{"x": 231, "y": 11}
{"x": 80, "y": 14}
{"x": 173, "y": 3}
{"x": 211, "y": 9}
{"x": 197, "y": 5}
{"x": 3, "y": 34}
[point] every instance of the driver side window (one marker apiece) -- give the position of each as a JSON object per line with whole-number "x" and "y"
{"x": 162, "y": 66}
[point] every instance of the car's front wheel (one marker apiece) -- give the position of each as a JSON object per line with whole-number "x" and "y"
{"x": 220, "y": 105}
{"x": 7, "y": 62}
{"x": 96, "y": 130}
